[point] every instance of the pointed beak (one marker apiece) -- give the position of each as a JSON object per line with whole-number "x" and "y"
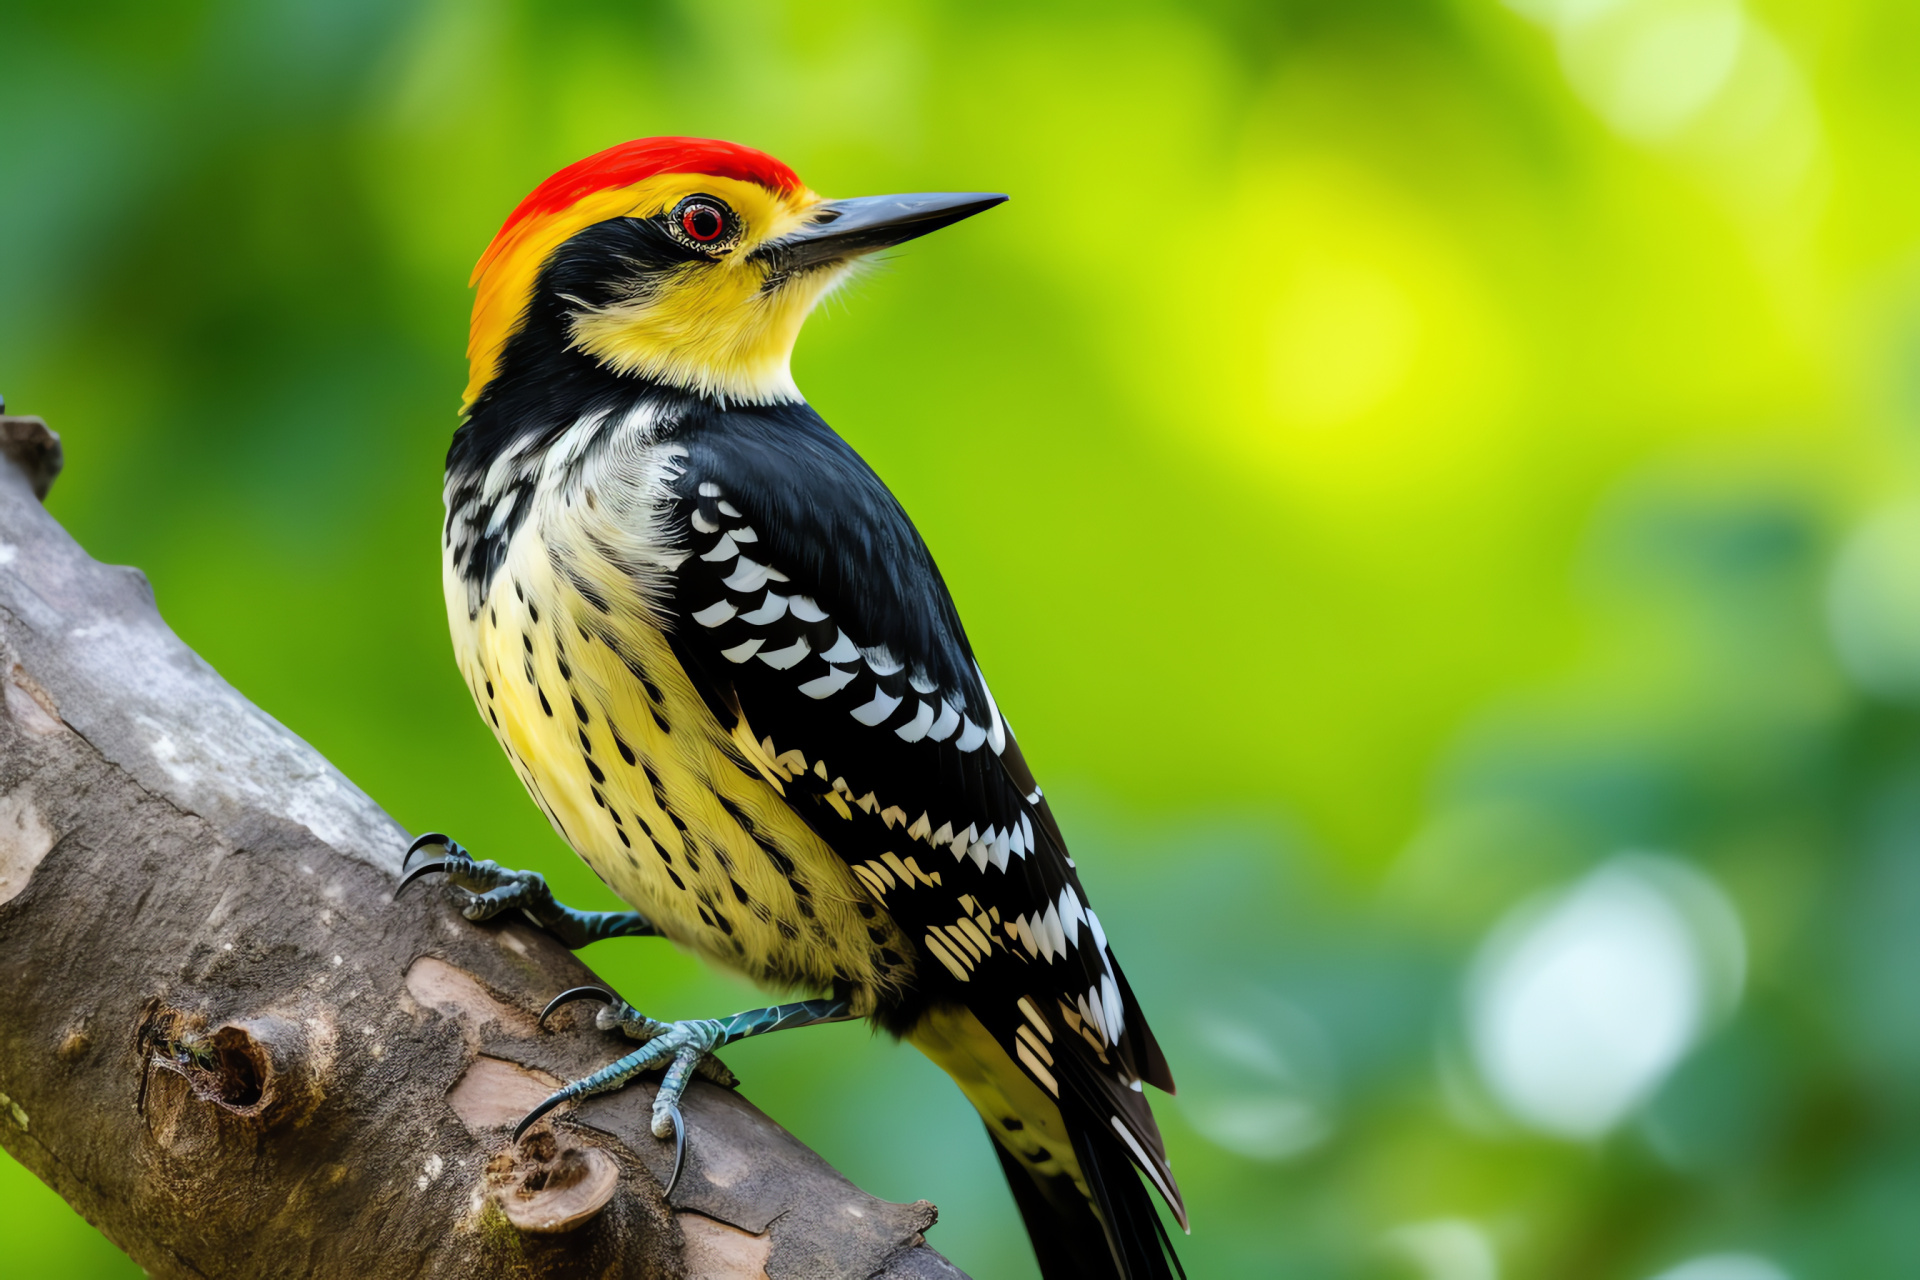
{"x": 842, "y": 229}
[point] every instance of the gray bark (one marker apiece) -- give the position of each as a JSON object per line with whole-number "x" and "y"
{"x": 224, "y": 1044}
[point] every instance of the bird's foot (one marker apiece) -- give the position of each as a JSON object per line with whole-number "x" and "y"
{"x": 635, "y": 1025}
{"x": 490, "y": 889}
{"x": 685, "y": 1049}
{"x": 693, "y": 1040}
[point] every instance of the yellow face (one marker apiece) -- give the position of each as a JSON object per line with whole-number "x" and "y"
{"x": 716, "y": 320}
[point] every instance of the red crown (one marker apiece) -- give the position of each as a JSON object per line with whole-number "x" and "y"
{"x": 636, "y": 161}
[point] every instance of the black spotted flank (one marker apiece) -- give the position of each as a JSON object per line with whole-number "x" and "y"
{"x": 781, "y": 862}
{"x": 586, "y": 590}
{"x": 620, "y": 744}
{"x": 544, "y": 704}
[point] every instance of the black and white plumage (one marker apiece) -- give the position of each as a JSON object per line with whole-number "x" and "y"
{"x": 724, "y": 663}
{"x": 811, "y": 608}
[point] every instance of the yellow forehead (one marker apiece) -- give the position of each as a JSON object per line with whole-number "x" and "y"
{"x": 503, "y": 280}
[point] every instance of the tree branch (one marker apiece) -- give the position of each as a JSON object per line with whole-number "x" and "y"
{"x": 224, "y": 1044}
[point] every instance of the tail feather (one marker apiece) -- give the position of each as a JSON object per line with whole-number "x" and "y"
{"x": 1116, "y": 1236}
{"x": 1067, "y": 1238}
{"x": 1140, "y": 1247}
{"x": 1075, "y": 1161}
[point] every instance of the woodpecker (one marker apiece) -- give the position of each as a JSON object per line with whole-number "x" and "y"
{"x": 721, "y": 659}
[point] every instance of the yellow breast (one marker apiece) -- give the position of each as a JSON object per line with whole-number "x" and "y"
{"x": 568, "y": 663}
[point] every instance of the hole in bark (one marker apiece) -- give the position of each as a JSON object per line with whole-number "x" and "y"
{"x": 238, "y": 1075}
{"x": 229, "y": 1068}
{"x": 257, "y": 1070}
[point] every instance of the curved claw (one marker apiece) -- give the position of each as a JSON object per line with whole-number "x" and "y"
{"x": 527, "y": 1122}
{"x": 432, "y": 837}
{"x": 679, "y": 1149}
{"x": 425, "y": 868}
{"x": 569, "y": 996}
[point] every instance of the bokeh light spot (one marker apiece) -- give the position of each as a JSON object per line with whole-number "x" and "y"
{"x": 1581, "y": 1003}
{"x": 1263, "y": 1085}
{"x": 1650, "y": 67}
{"x": 1873, "y": 605}
{"x": 1725, "y": 1266}
{"x": 1445, "y": 1249}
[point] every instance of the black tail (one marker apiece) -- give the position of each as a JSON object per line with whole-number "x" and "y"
{"x": 1068, "y": 1237}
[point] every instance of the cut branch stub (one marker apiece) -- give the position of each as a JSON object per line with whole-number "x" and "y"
{"x": 33, "y": 447}
{"x": 548, "y": 1189}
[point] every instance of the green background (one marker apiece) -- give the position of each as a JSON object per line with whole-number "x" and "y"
{"x": 1396, "y": 460}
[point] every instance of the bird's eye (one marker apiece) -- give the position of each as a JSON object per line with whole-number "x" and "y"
{"x": 703, "y": 222}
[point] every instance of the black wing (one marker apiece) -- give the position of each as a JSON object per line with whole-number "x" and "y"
{"x": 809, "y": 606}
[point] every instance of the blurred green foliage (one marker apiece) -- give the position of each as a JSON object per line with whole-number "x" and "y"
{"x": 1394, "y": 457}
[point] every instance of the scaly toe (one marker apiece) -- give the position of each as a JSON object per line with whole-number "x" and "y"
{"x": 630, "y": 1022}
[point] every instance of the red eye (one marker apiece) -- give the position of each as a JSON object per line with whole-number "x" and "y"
{"x": 703, "y": 222}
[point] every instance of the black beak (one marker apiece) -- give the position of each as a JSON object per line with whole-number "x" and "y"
{"x": 842, "y": 229}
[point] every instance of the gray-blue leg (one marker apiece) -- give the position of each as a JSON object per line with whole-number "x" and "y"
{"x": 492, "y": 889}
{"x": 683, "y": 1048}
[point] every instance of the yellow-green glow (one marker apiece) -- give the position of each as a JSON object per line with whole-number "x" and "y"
{"x": 1396, "y": 461}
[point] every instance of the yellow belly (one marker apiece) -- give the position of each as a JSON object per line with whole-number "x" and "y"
{"x": 672, "y": 810}
{"x": 1019, "y": 1115}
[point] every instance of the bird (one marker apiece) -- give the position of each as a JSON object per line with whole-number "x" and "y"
{"x": 722, "y": 660}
